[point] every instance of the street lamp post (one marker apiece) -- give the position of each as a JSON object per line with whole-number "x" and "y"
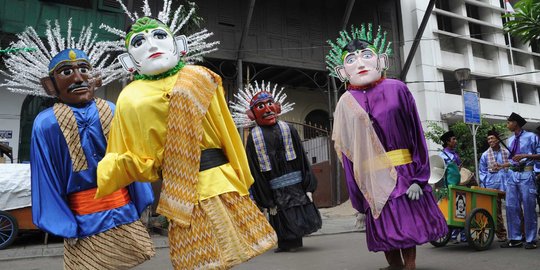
{"x": 463, "y": 76}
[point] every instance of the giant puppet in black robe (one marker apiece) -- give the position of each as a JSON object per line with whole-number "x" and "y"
{"x": 283, "y": 178}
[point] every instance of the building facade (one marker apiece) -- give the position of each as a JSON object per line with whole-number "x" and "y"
{"x": 285, "y": 42}
{"x": 469, "y": 34}
{"x": 279, "y": 41}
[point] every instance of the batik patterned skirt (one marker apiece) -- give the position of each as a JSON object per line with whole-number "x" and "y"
{"x": 122, "y": 247}
{"x": 225, "y": 230}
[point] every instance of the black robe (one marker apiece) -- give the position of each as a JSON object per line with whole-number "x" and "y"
{"x": 297, "y": 215}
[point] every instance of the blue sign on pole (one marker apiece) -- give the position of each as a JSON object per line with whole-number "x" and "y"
{"x": 471, "y": 108}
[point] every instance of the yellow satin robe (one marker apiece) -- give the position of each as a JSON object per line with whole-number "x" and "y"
{"x": 139, "y": 128}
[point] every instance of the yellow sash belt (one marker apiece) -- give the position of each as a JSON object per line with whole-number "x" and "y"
{"x": 399, "y": 157}
{"x": 396, "y": 157}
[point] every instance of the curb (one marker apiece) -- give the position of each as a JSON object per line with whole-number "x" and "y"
{"x": 57, "y": 250}
{"x": 331, "y": 226}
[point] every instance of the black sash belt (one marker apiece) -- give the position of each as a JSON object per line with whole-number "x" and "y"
{"x": 212, "y": 157}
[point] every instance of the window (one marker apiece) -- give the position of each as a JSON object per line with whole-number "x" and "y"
{"x": 482, "y": 51}
{"x": 514, "y": 93}
{"x": 489, "y": 88}
{"x": 535, "y": 46}
{"x": 521, "y": 59}
{"x": 515, "y": 42}
{"x": 536, "y": 60}
{"x": 443, "y": 4}
{"x": 452, "y": 44}
{"x": 78, "y": 3}
{"x": 110, "y": 5}
{"x": 526, "y": 93}
{"x": 472, "y": 11}
{"x": 475, "y": 31}
{"x": 451, "y": 85}
{"x": 444, "y": 23}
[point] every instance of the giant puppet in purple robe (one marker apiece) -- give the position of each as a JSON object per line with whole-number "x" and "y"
{"x": 379, "y": 138}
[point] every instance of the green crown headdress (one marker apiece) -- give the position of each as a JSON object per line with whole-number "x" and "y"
{"x": 334, "y": 58}
{"x": 142, "y": 24}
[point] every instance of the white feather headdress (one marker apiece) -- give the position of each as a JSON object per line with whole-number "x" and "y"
{"x": 240, "y": 106}
{"x": 25, "y": 69}
{"x": 197, "y": 46}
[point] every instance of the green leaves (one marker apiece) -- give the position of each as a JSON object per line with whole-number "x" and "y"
{"x": 464, "y": 137}
{"x": 525, "y": 22}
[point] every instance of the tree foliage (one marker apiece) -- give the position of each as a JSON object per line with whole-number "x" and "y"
{"x": 464, "y": 137}
{"x": 524, "y": 23}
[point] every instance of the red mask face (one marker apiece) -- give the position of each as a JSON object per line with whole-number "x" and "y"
{"x": 266, "y": 112}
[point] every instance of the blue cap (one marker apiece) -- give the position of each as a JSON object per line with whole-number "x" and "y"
{"x": 264, "y": 95}
{"x": 67, "y": 55}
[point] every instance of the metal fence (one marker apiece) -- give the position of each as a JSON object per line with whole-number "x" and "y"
{"x": 316, "y": 141}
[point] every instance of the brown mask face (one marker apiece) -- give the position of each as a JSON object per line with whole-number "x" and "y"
{"x": 70, "y": 83}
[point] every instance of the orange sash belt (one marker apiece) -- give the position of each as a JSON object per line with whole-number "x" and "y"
{"x": 83, "y": 202}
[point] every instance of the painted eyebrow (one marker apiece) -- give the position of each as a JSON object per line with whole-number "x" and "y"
{"x": 139, "y": 35}
{"x": 158, "y": 29}
{"x": 64, "y": 66}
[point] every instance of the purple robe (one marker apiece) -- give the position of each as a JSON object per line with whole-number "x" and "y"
{"x": 403, "y": 223}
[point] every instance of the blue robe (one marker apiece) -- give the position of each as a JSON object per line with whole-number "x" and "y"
{"x": 53, "y": 178}
{"x": 493, "y": 179}
{"x": 448, "y": 156}
{"x": 521, "y": 190}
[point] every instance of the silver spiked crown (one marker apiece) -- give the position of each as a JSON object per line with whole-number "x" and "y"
{"x": 25, "y": 69}
{"x": 241, "y": 104}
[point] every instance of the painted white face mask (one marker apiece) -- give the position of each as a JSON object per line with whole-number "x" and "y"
{"x": 362, "y": 67}
{"x": 153, "y": 51}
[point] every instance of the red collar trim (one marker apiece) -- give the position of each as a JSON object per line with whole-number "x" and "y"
{"x": 364, "y": 87}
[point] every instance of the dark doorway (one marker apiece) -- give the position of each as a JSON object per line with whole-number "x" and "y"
{"x": 31, "y": 107}
{"x": 318, "y": 119}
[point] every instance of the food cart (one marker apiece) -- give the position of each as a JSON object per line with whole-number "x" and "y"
{"x": 474, "y": 209}
{"x": 15, "y": 202}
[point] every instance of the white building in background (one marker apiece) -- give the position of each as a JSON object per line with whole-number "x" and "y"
{"x": 468, "y": 33}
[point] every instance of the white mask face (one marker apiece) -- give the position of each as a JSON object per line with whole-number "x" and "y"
{"x": 153, "y": 51}
{"x": 362, "y": 67}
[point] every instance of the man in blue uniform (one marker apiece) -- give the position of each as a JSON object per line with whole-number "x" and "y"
{"x": 537, "y": 172}
{"x": 449, "y": 142}
{"x": 521, "y": 187}
{"x": 494, "y": 174}
{"x": 451, "y": 158}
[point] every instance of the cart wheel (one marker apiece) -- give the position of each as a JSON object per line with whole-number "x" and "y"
{"x": 8, "y": 229}
{"x": 480, "y": 229}
{"x": 441, "y": 242}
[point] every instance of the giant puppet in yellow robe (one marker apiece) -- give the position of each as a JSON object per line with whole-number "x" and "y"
{"x": 175, "y": 124}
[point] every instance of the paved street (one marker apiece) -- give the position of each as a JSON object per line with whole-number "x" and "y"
{"x": 343, "y": 251}
{"x": 337, "y": 246}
